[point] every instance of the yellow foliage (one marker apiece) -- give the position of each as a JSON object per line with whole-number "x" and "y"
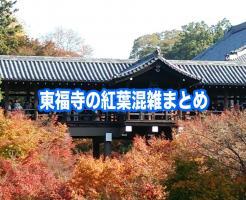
{"x": 136, "y": 174}
{"x": 18, "y": 135}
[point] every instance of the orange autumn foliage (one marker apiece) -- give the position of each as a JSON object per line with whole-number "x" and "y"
{"x": 136, "y": 174}
{"x": 210, "y": 158}
{"x": 30, "y": 178}
{"x": 145, "y": 171}
{"x": 36, "y": 162}
{"x": 220, "y": 137}
{"x": 35, "y": 158}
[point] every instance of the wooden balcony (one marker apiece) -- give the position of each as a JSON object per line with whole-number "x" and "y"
{"x": 90, "y": 117}
{"x": 92, "y": 124}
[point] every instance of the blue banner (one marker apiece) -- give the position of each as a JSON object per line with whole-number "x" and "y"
{"x": 122, "y": 100}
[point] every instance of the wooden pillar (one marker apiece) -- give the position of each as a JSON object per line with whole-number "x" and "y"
{"x": 6, "y": 99}
{"x": 28, "y": 96}
{"x": 107, "y": 148}
{"x": 107, "y": 145}
{"x": 96, "y": 148}
{"x": 128, "y": 117}
{"x": 168, "y": 133}
{"x": 236, "y": 102}
{"x": 180, "y": 114}
{"x": 141, "y": 115}
{"x": 166, "y": 115}
{"x": 35, "y": 104}
{"x": 226, "y": 101}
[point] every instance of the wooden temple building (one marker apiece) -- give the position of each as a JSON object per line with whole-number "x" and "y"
{"x": 22, "y": 77}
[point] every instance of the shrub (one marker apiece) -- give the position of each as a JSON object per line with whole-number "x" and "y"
{"x": 216, "y": 146}
{"x": 35, "y": 158}
{"x": 195, "y": 180}
{"x": 136, "y": 174}
{"x": 221, "y": 137}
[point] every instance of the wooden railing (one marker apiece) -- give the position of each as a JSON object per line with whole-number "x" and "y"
{"x": 158, "y": 116}
{"x": 89, "y": 116}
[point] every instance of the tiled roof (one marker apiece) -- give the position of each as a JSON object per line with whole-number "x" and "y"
{"x": 233, "y": 39}
{"x": 241, "y": 58}
{"x": 16, "y": 68}
{"x": 215, "y": 72}
{"x": 146, "y": 63}
{"x": 60, "y": 69}
{"x": 238, "y": 54}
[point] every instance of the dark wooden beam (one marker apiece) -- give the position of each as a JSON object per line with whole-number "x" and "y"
{"x": 36, "y": 104}
{"x": 96, "y": 147}
{"x": 6, "y": 99}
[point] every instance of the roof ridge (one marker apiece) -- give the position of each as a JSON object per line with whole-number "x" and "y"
{"x": 239, "y": 49}
{"x": 66, "y": 59}
{"x": 148, "y": 60}
{"x": 171, "y": 65}
{"x": 237, "y": 53}
{"x": 208, "y": 72}
{"x": 210, "y": 62}
{"x": 236, "y": 28}
{"x": 210, "y": 47}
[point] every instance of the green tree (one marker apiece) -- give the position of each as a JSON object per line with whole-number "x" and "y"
{"x": 193, "y": 38}
{"x": 196, "y": 37}
{"x": 147, "y": 43}
{"x": 10, "y": 30}
{"x": 220, "y": 28}
{"x": 195, "y": 180}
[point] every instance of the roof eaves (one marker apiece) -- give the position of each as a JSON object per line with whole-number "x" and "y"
{"x": 147, "y": 61}
{"x": 65, "y": 59}
{"x": 138, "y": 65}
{"x": 172, "y": 66}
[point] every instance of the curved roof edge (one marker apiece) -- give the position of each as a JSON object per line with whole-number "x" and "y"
{"x": 147, "y": 61}
{"x": 19, "y": 68}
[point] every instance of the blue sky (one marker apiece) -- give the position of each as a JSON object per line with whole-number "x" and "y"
{"x": 110, "y": 26}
